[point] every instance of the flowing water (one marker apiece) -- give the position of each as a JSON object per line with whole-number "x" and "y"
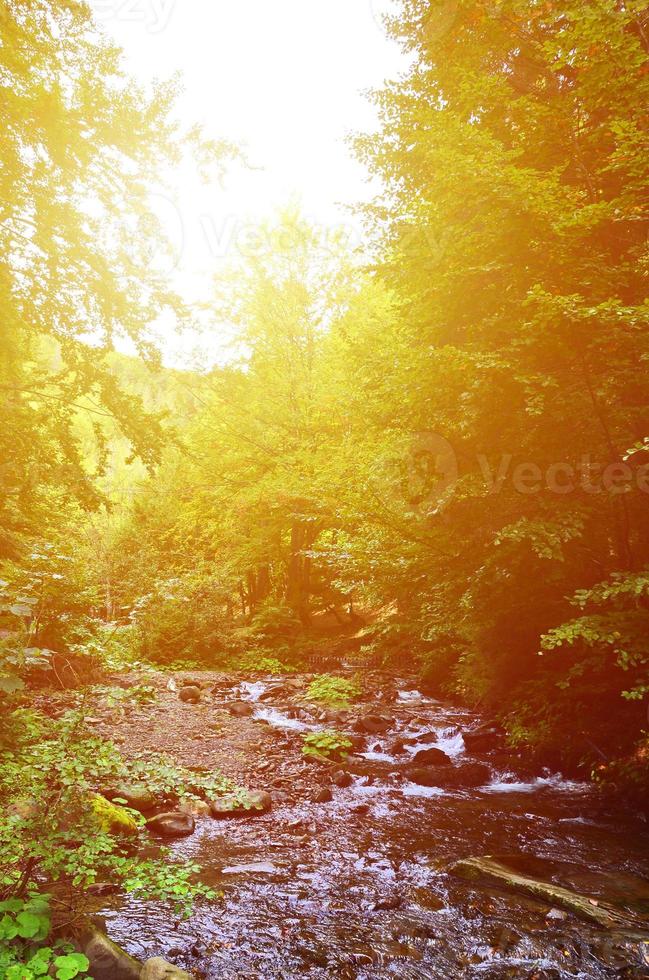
{"x": 360, "y": 887}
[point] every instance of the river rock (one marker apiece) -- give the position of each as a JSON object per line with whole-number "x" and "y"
{"x": 24, "y": 809}
{"x": 257, "y": 867}
{"x": 373, "y": 724}
{"x": 112, "y": 818}
{"x": 190, "y": 694}
{"x": 195, "y": 808}
{"x": 323, "y": 795}
{"x": 257, "y": 801}
{"x": 446, "y": 777}
{"x": 103, "y": 888}
{"x": 137, "y": 797}
{"x": 426, "y": 739}
{"x": 158, "y": 969}
{"x": 334, "y": 717}
{"x": 108, "y": 961}
{"x": 173, "y": 824}
{"x": 423, "y": 777}
{"x": 389, "y": 903}
{"x": 556, "y": 915}
{"x": 342, "y": 779}
{"x": 467, "y": 775}
{"x": 431, "y": 757}
{"x": 358, "y": 742}
{"x": 241, "y": 709}
{"x": 482, "y": 739}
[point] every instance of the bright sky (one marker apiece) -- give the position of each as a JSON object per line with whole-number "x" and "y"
{"x": 285, "y": 79}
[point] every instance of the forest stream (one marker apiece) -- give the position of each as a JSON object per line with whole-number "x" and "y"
{"x": 362, "y": 885}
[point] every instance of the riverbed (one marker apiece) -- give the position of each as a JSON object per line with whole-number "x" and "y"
{"x": 362, "y": 886}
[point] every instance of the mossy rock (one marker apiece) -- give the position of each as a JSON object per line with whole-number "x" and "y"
{"x": 112, "y": 818}
{"x": 251, "y": 804}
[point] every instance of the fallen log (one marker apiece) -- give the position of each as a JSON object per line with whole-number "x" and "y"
{"x": 490, "y": 871}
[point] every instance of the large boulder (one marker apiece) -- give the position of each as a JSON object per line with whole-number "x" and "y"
{"x": 158, "y": 969}
{"x": 108, "y": 961}
{"x": 241, "y": 709}
{"x": 431, "y": 757}
{"x": 252, "y": 804}
{"x": 466, "y": 775}
{"x": 173, "y": 824}
{"x": 423, "y": 777}
{"x": 191, "y": 694}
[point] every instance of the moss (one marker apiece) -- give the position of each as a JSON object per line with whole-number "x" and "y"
{"x": 112, "y": 818}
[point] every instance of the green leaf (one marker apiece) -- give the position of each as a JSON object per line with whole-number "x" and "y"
{"x": 71, "y": 965}
{"x": 10, "y": 684}
{"x": 8, "y": 928}
{"x": 29, "y": 925}
{"x": 17, "y": 972}
{"x": 17, "y": 610}
{"x": 40, "y": 962}
{"x": 12, "y": 905}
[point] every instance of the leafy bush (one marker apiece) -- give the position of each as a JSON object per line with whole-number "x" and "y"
{"x": 180, "y": 619}
{"x": 612, "y": 633}
{"x": 180, "y": 665}
{"x": 272, "y": 622}
{"x": 327, "y": 744}
{"x": 49, "y": 827}
{"x": 336, "y": 692}
{"x": 24, "y": 925}
{"x": 115, "y": 645}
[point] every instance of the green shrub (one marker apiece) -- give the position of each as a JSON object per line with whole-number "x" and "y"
{"x": 115, "y": 645}
{"x": 335, "y": 692}
{"x": 327, "y": 744}
{"x": 25, "y": 923}
{"x": 181, "y": 619}
{"x": 49, "y": 829}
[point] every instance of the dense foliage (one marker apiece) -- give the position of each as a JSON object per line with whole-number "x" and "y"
{"x": 436, "y": 452}
{"x": 448, "y": 450}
